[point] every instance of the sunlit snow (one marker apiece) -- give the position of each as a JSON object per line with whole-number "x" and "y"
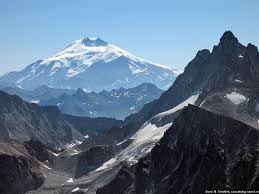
{"x": 106, "y": 164}
{"x": 238, "y": 81}
{"x": 236, "y": 97}
{"x": 70, "y": 180}
{"x": 35, "y": 101}
{"x": 190, "y": 100}
{"x": 146, "y": 137}
{"x": 75, "y": 189}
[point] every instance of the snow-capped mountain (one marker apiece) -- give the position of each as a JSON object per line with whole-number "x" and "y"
{"x": 93, "y": 65}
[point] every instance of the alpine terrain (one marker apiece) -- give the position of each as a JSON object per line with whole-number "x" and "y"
{"x": 200, "y": 134}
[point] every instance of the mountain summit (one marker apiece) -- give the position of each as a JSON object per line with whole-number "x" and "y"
{"x": 228, "y": 36}
{"x": 89, "y": 42}
{"x": 94, "y": 65}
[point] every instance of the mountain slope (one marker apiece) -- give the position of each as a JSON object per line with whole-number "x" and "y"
{"x": 24, "y": 121}
{"x": 201, "y": 151}
{"x": 93, "y": 65}
{"x": 19, "y": 170}
{"x": 28, "y": 121}
{"x": 230, "y": 68}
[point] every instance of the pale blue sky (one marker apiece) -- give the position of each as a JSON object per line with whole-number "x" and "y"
{"x": 166, "y": 32}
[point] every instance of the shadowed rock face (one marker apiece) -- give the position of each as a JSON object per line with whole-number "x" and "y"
{"x": 19, "y": 171}
{"x": 19, "y": 174}
{"x": 92, "y": 126}
{"x": 202, "y": 150}
{"x": 120, "y": 183}
{"x": 92, "y": 159}
{"x": 25, "y": 121}
{"x": 40, "y": 151}
{"x": 230, "y": 67}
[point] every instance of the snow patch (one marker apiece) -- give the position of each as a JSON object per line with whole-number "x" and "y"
{"x": 70, "y": 180}
{"x": 73, "y": 144}
{"x": 190, "y": 100}
{"x": 55, "y": 154}
{"x": 74, "y": 152}
{"x": 238, "y": 81}
{"x": 75, "y": 189}
{"x": 72, "y": 72}
{"x": 122, "y": 142}
{"x": 150, "y": 132}
{"x": 202, "y": 103}
{"x": 177, "y": 71}
{"x": 106, "y": 164}
{"x": 35, "y": 101}
{"x": 131, "y": 108}
{"x": 236, "y": 97}
{"x": 78, "y": 142}
{"x": 136, "y": 69}
{"x": 46, "y": 166}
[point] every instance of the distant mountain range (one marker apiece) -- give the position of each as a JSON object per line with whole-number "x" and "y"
{"x": 93, "y": 65}
{"x": 117, "y": 103}
{"x": 37, "y": 95}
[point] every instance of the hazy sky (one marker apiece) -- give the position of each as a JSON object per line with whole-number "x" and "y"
{"x": 166, "y": 32}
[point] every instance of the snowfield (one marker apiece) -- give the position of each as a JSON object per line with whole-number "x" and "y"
{"x": 191, "y": 100}
{"x": 146, "y": 137}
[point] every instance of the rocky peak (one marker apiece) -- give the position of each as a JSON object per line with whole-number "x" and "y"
{"x": 228, "y": 44}
{"x": 93, "y": 42}
{"x": 80, "y": 92}
{"x": 228, "y": 36}
{"x": 252, "y": 48}
{"x": 202, "y": 53}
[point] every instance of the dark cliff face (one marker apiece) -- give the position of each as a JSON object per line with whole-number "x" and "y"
{"x": 92, "y": 126}
{"x": 202, "y": 150}
{"x": 19, "y": 171}
{"x": 121, "y": 183}
{"x": 92, "y": 159}
{"x": 229, "y": 67}
{"x": 40, "y": 151}
{"x": 25, "y": 121}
